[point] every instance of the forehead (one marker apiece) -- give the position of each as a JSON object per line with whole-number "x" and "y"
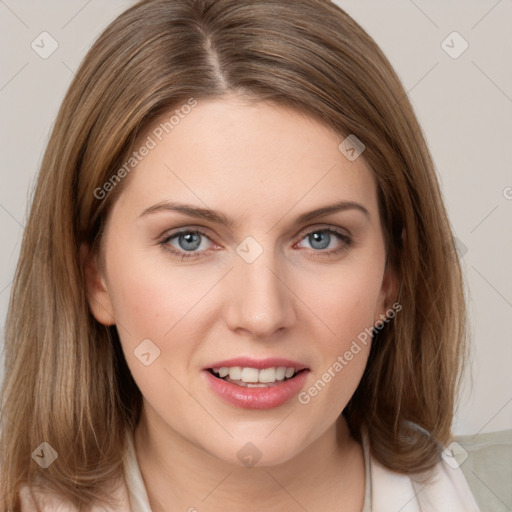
{"x": 238, "y": 156}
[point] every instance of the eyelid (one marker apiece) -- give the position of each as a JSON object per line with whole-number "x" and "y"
{"x": 321, "y": 227}
{"x": 169, "y": 233}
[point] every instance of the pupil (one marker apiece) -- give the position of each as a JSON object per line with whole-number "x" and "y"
{"x": 189, "y": 244}
{"x": 317, "y": 236}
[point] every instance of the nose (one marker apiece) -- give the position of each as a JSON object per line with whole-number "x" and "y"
{"x": 260, "y": 300}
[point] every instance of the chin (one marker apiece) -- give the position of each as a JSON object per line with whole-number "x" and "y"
{"x": 260, "y": 452}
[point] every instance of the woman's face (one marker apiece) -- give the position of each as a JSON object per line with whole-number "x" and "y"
{"x": 254, "y": 283}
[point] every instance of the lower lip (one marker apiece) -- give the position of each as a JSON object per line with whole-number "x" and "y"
{"x": 256, "y": 398}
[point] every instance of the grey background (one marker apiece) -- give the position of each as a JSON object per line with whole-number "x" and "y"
{"x": 464, "y": 105}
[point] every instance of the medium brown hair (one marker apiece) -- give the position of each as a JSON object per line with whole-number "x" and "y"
{"x": 67, "y": 382}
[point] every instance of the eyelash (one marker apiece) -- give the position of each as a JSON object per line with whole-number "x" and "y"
{"x": 347, "y": 242}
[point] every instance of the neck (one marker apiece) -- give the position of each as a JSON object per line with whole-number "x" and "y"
{"x": 178, "y": 475}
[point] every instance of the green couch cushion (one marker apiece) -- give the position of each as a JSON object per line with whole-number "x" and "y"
{"x": 488, "y": 469}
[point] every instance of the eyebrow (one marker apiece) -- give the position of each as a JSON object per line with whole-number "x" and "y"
{"x": 220, "y": 218}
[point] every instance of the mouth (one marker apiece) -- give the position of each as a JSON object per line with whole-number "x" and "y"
{"x": 249, "y": 383}
{"x": 255, "y": 378}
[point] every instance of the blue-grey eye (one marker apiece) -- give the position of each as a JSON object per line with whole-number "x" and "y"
{"x": 191, "y": 241}
{"x": 316, "y": 241}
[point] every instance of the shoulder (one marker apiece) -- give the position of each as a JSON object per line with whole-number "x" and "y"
{"x": 443, "y": 489}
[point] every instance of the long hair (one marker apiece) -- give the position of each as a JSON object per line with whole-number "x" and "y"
{"x": 67, "y": 382}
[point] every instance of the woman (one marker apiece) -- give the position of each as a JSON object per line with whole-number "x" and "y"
{"x": 234, "y": 288}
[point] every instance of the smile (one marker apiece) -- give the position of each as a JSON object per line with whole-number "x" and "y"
{"x": 252, "y": 377}
{"x": 256, "y": 384}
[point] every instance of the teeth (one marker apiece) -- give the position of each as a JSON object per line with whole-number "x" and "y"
{"x": 249, "y": 375}
{"x": 223, "y": 372}
{"x": 235, "y": 373}
{"x": 280, "y": 373}
{"x": 255, "y": 376}
{"x": 267, "y": 375}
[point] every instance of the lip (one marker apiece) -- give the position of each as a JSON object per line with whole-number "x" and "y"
{"x": 256, "y": 398}
{"x": 259, "y": 364}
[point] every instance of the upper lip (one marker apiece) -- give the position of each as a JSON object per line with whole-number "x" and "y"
{"x": 260, "y": 364}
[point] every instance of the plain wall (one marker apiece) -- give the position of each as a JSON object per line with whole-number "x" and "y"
{"x": 464, "y": 105}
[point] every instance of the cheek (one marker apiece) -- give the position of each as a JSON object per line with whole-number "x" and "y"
{"x": 150, "y": 310}
{"x": 150, "y": 299}
{"x": 141, "y": 304}
{"x": 344, "y": 300}
{"x": 153, "y": 319}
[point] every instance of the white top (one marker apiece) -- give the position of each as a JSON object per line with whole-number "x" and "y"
{"x": 385, "y": 490}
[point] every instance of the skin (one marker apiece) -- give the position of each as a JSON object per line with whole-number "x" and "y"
{"x": 262, "y": 165}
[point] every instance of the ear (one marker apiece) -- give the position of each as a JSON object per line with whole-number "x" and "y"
{"x": 388, "y": 293}
{"x": 96, "y": 288}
